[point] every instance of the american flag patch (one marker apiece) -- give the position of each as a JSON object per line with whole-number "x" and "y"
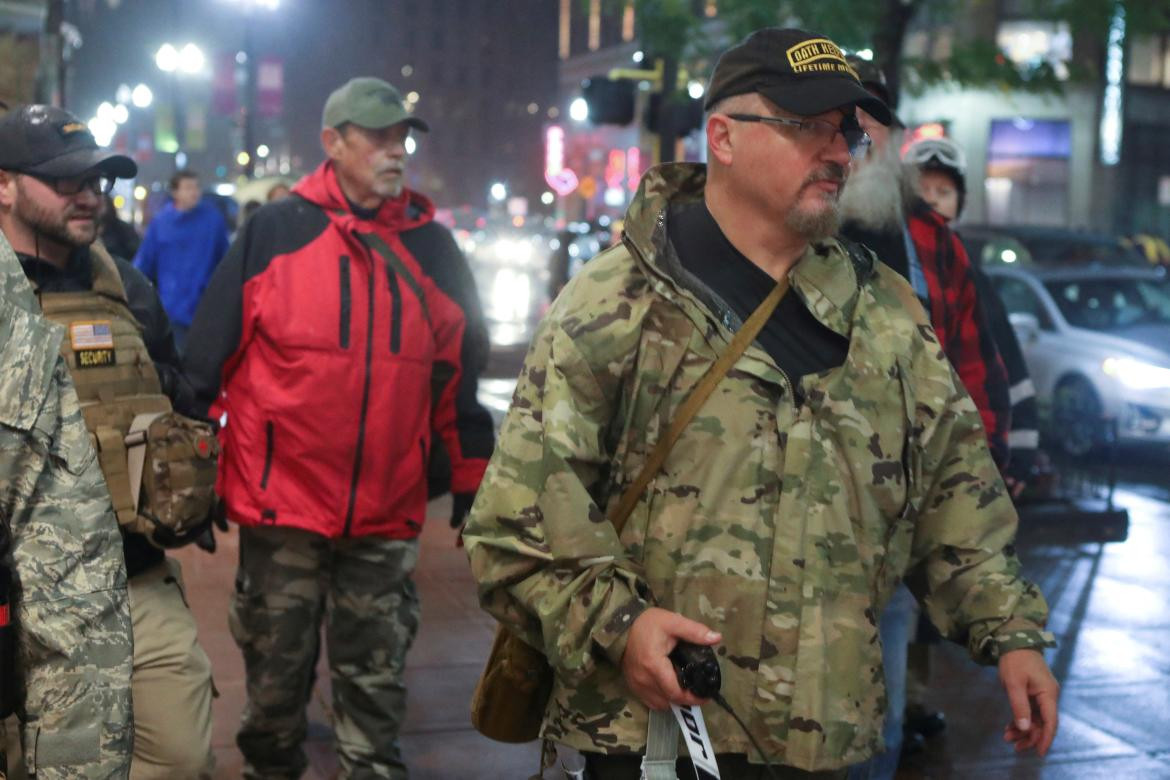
{"x": 91, "y": 335}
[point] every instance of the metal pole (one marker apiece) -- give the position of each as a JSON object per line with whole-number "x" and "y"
{"x": 251, "y": 69}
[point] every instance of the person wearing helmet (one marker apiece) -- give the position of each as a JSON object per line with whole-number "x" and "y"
{"x": 942, "y": 174}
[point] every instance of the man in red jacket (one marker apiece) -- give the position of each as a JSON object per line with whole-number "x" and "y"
{"x": 331, "y": 342}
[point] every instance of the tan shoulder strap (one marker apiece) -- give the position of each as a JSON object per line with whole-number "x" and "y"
{"x": 744, "y": 336}
{"x": 106, "y": 279}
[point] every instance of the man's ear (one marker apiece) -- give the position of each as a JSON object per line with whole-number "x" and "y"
{"x": 7, "y": 189}
{"x": 719, "y": 141}
{"x": 331, "y": 142}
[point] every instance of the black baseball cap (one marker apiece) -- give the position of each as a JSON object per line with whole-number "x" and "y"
{"x": 48, "y": 141}
{"x": 801, "y": 72}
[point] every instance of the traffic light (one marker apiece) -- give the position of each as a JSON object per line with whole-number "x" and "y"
{"x": 684, "y": 114}
{"x": 610, "y": 101}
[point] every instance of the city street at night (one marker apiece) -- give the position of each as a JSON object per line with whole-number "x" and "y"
{"x": 652, "y": 354}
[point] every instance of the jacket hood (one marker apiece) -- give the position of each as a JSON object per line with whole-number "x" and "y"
{"x": 321, "y": 188}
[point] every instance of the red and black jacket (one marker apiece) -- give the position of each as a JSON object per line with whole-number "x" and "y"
{"x": 334, "y": 351}
{"x": 956, "y": 313}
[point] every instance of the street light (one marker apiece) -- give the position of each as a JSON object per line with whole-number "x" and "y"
{"x": 141, "y": 96}
{"x": 498, "y": 192}
{"x": 579, "y": 110}
{"x": 167, "y": 58}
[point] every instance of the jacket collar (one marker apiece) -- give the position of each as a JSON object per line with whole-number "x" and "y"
{"x": 409, "y": 210}
{"x": 825, "y": 278}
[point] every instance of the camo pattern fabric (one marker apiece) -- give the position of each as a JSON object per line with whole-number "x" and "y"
{"x": 784, "y": 525}
{"x": 289, "y": 581}
{"x": 69, "y": 589}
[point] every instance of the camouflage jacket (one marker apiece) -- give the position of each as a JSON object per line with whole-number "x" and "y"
{"x": 69, "y": 582}
{"x": 785, "y": 526}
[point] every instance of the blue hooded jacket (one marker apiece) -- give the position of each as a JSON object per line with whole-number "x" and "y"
{"x": 178, "y": 254}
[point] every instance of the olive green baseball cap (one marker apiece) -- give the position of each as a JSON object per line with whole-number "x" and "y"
{"x": 368, "y": 102}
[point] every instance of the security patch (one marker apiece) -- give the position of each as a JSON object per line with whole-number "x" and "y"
{"x": 92, "y": 343}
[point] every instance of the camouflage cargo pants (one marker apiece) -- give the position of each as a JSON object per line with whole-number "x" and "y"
{"x": 286, "y": 582}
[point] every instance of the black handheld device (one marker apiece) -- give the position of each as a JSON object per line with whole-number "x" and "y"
{"x": 697, "y": 668}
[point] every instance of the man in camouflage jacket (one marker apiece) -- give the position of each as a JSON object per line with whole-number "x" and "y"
{"x": 790, "y": 508}
{"x": 64, "y": 551}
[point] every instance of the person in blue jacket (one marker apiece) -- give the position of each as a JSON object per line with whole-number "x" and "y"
{"x": 183, "y": 245}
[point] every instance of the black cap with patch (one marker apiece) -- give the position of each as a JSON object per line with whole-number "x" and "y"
{"x": 799, "y": 71}
{"x": 48, "y": 141}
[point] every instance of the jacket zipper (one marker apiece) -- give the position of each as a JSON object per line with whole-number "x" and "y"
{"x": 269, "y": 445}
{"x": 346, "y": 301}
{"x": 395, "y": 311}
{"x": 361, "y": 438}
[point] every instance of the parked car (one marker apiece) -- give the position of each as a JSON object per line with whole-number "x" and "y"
{"x": 1047, "y": 247}
{"x": 1097, "y": 344}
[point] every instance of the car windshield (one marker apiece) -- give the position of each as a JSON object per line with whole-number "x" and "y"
{"x": 1112, "y": 303}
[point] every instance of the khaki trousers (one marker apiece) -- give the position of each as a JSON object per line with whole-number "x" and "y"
{"x": 171, "y": 684}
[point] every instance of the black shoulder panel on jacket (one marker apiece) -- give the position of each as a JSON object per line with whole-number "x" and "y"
{"x": 279, "y": 228}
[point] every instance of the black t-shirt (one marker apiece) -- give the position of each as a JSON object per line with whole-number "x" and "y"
{"x": 795, "y": 339}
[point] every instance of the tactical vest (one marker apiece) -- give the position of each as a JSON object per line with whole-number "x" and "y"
{"x": 142, "y": 445}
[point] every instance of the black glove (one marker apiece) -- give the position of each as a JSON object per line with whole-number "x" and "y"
{"x": 460, "y": 506}
{"x": 206, "y": 540}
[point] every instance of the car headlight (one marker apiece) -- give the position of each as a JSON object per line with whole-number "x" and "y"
{"x": 1137, "y": 374}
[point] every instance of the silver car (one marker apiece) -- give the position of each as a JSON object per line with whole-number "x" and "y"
{"x": 1097, "y": 344}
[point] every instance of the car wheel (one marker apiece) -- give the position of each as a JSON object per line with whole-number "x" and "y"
{"x": 1076, "y": 417}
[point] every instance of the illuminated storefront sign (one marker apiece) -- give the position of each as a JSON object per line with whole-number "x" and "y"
{"x": 560, "y": 179}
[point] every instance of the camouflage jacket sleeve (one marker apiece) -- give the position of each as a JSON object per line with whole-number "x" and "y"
{"x": 548, "y": 562}
{"x": 965, "y": 570}
{"x": 69, "y": 582}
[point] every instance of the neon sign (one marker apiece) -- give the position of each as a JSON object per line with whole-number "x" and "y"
{"x": 560, "y": 179}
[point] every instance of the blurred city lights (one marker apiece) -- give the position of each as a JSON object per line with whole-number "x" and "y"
{"x": 242, "y": 158}
{"x": 639, "y": 56}
{"x": 140, "y": 192}
{"x": 167, "y": 58}
{"x": 262, "y": 151}
{"x": 141, "y": 96}
{"x": 498, "y": 191}
{"x": 191, "y": 58}
{"x": 106, "y": 111}
{"x": 547, "y": 198}
{"x": 123, "y": 94}
{"x": 121, "y": 114}
{"x": 579, "y": 110}
{"x": 695, "y": 89}
{"x": 103, "y": 129}
{"x": 411, "y": 145}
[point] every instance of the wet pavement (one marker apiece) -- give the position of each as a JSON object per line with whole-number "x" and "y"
{"x": 1110, "y": 612}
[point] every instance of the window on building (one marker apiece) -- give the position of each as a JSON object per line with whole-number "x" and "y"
{"x": 1149, "y": 60}
{"x": 564, "y": 39}
{"x": 1030, "y": 43}
{"x": 628, "y": 22}
{"x": 1028, "y": 171}
{"x": 594, "y": 25}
